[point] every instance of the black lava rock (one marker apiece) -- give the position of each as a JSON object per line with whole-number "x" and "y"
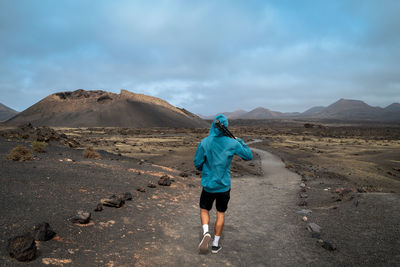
{"x": 316, "y": 235}
{"x": 125, "y": 196}
{"x": 303, "y": 195}
{"x": 151, "y": 185}
{"x": 184, "y": 174}
{"x": 164, "y": 181}
{"x": 328, "y": 245}
{"x": 43, "y": 232}
{"x": 22, "y": 248}
{"x": 113, "y": 201}
{"x": 99, "y": 207}
{"x": 302, "y": 203}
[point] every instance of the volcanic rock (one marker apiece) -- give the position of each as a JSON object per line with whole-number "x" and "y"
{"x": 113, "y": 201}
{"x": 303, "y": 195}
{"x": 99, "y": 207}
{"x": 164, "y": 181}
{"x": 302, "y": 203}
{"x": 303, "y": 212}
{"x": 151, "y": 185}
{"x": 22, "y": 248}
{"x": 313, "y": 227}
{"x": 81, "y": 217}
{"x": 316, "y": 235}
{"x": 328, "y": 245}
{"x": 125, "y": 196}
{"x": 43, "y": 232}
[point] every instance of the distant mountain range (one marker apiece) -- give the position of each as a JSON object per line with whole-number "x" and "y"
{"x": 6, "y": 112}
{"x": 98, "y": 108}
{"x": 343, "y": 109}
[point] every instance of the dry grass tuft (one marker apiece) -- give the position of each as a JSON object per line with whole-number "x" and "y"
{"x": 39, "y": 147}
{"x": 20, "y": 153}
{"x": 289, "y": 166}
{"x": 90, "y": 153}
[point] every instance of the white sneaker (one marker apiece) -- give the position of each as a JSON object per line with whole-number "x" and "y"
{"x": 203, "y": 246}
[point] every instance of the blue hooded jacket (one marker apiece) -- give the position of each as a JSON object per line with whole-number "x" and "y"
{"x": 214, "y": 156}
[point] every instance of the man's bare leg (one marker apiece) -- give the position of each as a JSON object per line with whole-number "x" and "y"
{"x": 204, "y": 216}
{"x": 219, "y": 226}
{"x": 219, "y": 223}
{"x": 205, "y": 219}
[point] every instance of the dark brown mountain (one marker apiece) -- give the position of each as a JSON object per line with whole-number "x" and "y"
{"x": 6, "y": 112}
{"x": 98, "y": 108}
{"x": 349, "y": 110}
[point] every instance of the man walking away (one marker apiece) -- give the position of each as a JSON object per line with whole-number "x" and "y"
{"x": 213, "y": 157}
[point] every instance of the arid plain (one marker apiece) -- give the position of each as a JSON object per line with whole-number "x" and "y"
{"x": 350, "y": 179}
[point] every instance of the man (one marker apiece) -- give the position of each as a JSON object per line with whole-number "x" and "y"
{"x": 213, "y": 157}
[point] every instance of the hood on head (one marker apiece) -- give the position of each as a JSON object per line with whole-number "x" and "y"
{"x": 214, "y": 131}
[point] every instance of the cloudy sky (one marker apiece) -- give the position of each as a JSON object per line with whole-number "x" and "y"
{"x": 205, "y": 56}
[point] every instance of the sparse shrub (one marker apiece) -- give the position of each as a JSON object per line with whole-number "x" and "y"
{"x": 90, "y": 153}
{"x": 38, "y": 147}
{"x": 20, "y": 153}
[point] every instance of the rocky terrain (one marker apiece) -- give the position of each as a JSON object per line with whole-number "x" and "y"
{"x": 344, "y": 187}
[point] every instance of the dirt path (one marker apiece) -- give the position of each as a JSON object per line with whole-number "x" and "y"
{"x": 261, "y": 226}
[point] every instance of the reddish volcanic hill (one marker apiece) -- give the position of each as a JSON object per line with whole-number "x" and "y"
{"x": 82, "y": 108}
{"x": 6, "y": 112}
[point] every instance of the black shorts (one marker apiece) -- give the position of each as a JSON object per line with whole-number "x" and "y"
{"x": 221, "y": 200}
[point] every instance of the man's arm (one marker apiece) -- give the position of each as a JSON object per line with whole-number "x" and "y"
{"x": 243, "y": 150}
{"x": 199, "y": 157}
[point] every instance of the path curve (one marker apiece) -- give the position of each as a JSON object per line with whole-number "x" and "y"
{"x": 260, "y": 225}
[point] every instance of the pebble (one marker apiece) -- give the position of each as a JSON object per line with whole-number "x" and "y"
{"x": 302, "y": 203}
{"x": 302, "y": 185}
{"x": 303, "y": 195}
{"x": 141, "y": 189}
{"x": 328, "y": 245}
{"x": 99, "y": 207}
{"x": 151, "y": 185}
{"x": 303, "y": 212}
{"x": 313, "y": 227}
{"x": 316, "y": 235}
{"x": 81, "y": 217}
{"x": 305, "y": 218}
